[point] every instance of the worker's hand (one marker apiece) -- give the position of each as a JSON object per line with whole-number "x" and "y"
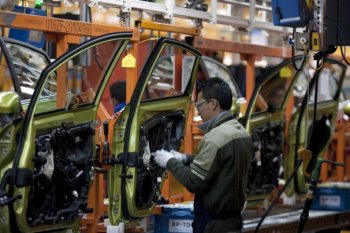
{"x": 179, "y": 156}
{"x": 162, "y": 157}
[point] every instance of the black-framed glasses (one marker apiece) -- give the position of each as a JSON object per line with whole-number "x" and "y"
{"x": 198, "y": 105}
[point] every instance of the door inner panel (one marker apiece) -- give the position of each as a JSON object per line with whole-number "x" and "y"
{"x": 162, "y": 131}
{"x": 62, "y": 171}
{"x": 265, "y": 166}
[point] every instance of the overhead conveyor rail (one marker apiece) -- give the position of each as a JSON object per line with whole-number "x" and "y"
{"x": 170, "y": 10}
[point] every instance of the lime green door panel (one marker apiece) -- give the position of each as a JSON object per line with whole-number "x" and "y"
{"x": 302, "y": 123}
{"x": 265, "y": 120}
{"x": 154, "y": 119}
{"x": 144, "y": 180}
{"x": 10, "y": 112}
{"x": 56, "y": 146}
{"x": 327, "y": 115}
{"x": 275, "y": 151}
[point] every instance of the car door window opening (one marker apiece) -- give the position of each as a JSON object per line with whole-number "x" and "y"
{"x": 171, "y": 75}
{"x": 83, "y": 79}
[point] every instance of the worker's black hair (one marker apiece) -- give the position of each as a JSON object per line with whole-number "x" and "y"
{"x": 218, "y": 89}
{"x": 118, "y": 91}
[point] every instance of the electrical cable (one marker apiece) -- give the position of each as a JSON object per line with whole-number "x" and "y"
{"x": 342, "y": 52}
{"x": 95, "y": 49}
{"x": 274, "y": 201}
{"x": 318, "y": 67}
{"x": 155, "y": 174}
{"x": 316, "y": 90}
{"x": 316, "y": 78}
{"x": 89, "y": 16}
{"x": 308, "y": 202}
{"x": 293, "y": 56}
{"x": 306, "y": 55}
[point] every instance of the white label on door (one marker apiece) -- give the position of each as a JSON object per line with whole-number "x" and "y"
{"x": 330, "y": 200}
{"x": 179, "y": 225}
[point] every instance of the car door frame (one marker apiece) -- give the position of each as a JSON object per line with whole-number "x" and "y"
{"x": 135, "y": 105}
{"x": 125, "y": 37}
{"x": 249, "y": 112}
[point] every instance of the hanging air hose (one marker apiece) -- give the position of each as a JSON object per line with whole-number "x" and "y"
{"x": 314, "y": 154}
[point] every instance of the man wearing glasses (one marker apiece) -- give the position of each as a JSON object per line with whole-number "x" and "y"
{"x": 218, "y": 174}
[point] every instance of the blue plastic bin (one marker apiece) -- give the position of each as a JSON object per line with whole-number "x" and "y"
{"x": 35, "y": 38}
{"x": 332, "y": 198}
{"x": 174, "y": 219}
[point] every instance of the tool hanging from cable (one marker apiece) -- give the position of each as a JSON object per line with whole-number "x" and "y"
{"x": 304, "y": 216}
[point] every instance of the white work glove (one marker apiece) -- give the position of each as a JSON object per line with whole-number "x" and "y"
{"x": 179, "y": 156}
{"x": 162, "y": 157}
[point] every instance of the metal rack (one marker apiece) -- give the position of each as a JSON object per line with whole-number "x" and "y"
{"x": 170, "y": 10}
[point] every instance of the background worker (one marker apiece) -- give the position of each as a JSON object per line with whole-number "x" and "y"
{"x": 118, "y": 95}
{"x": 218, "y": 174}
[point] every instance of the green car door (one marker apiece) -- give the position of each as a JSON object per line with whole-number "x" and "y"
{"x": 272, "y": 120}
{"x": 46, "y": 175}
{"x": 20, "y": 69}
{"x": 309, "y": 129}
{"x": 154, "y": 119}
